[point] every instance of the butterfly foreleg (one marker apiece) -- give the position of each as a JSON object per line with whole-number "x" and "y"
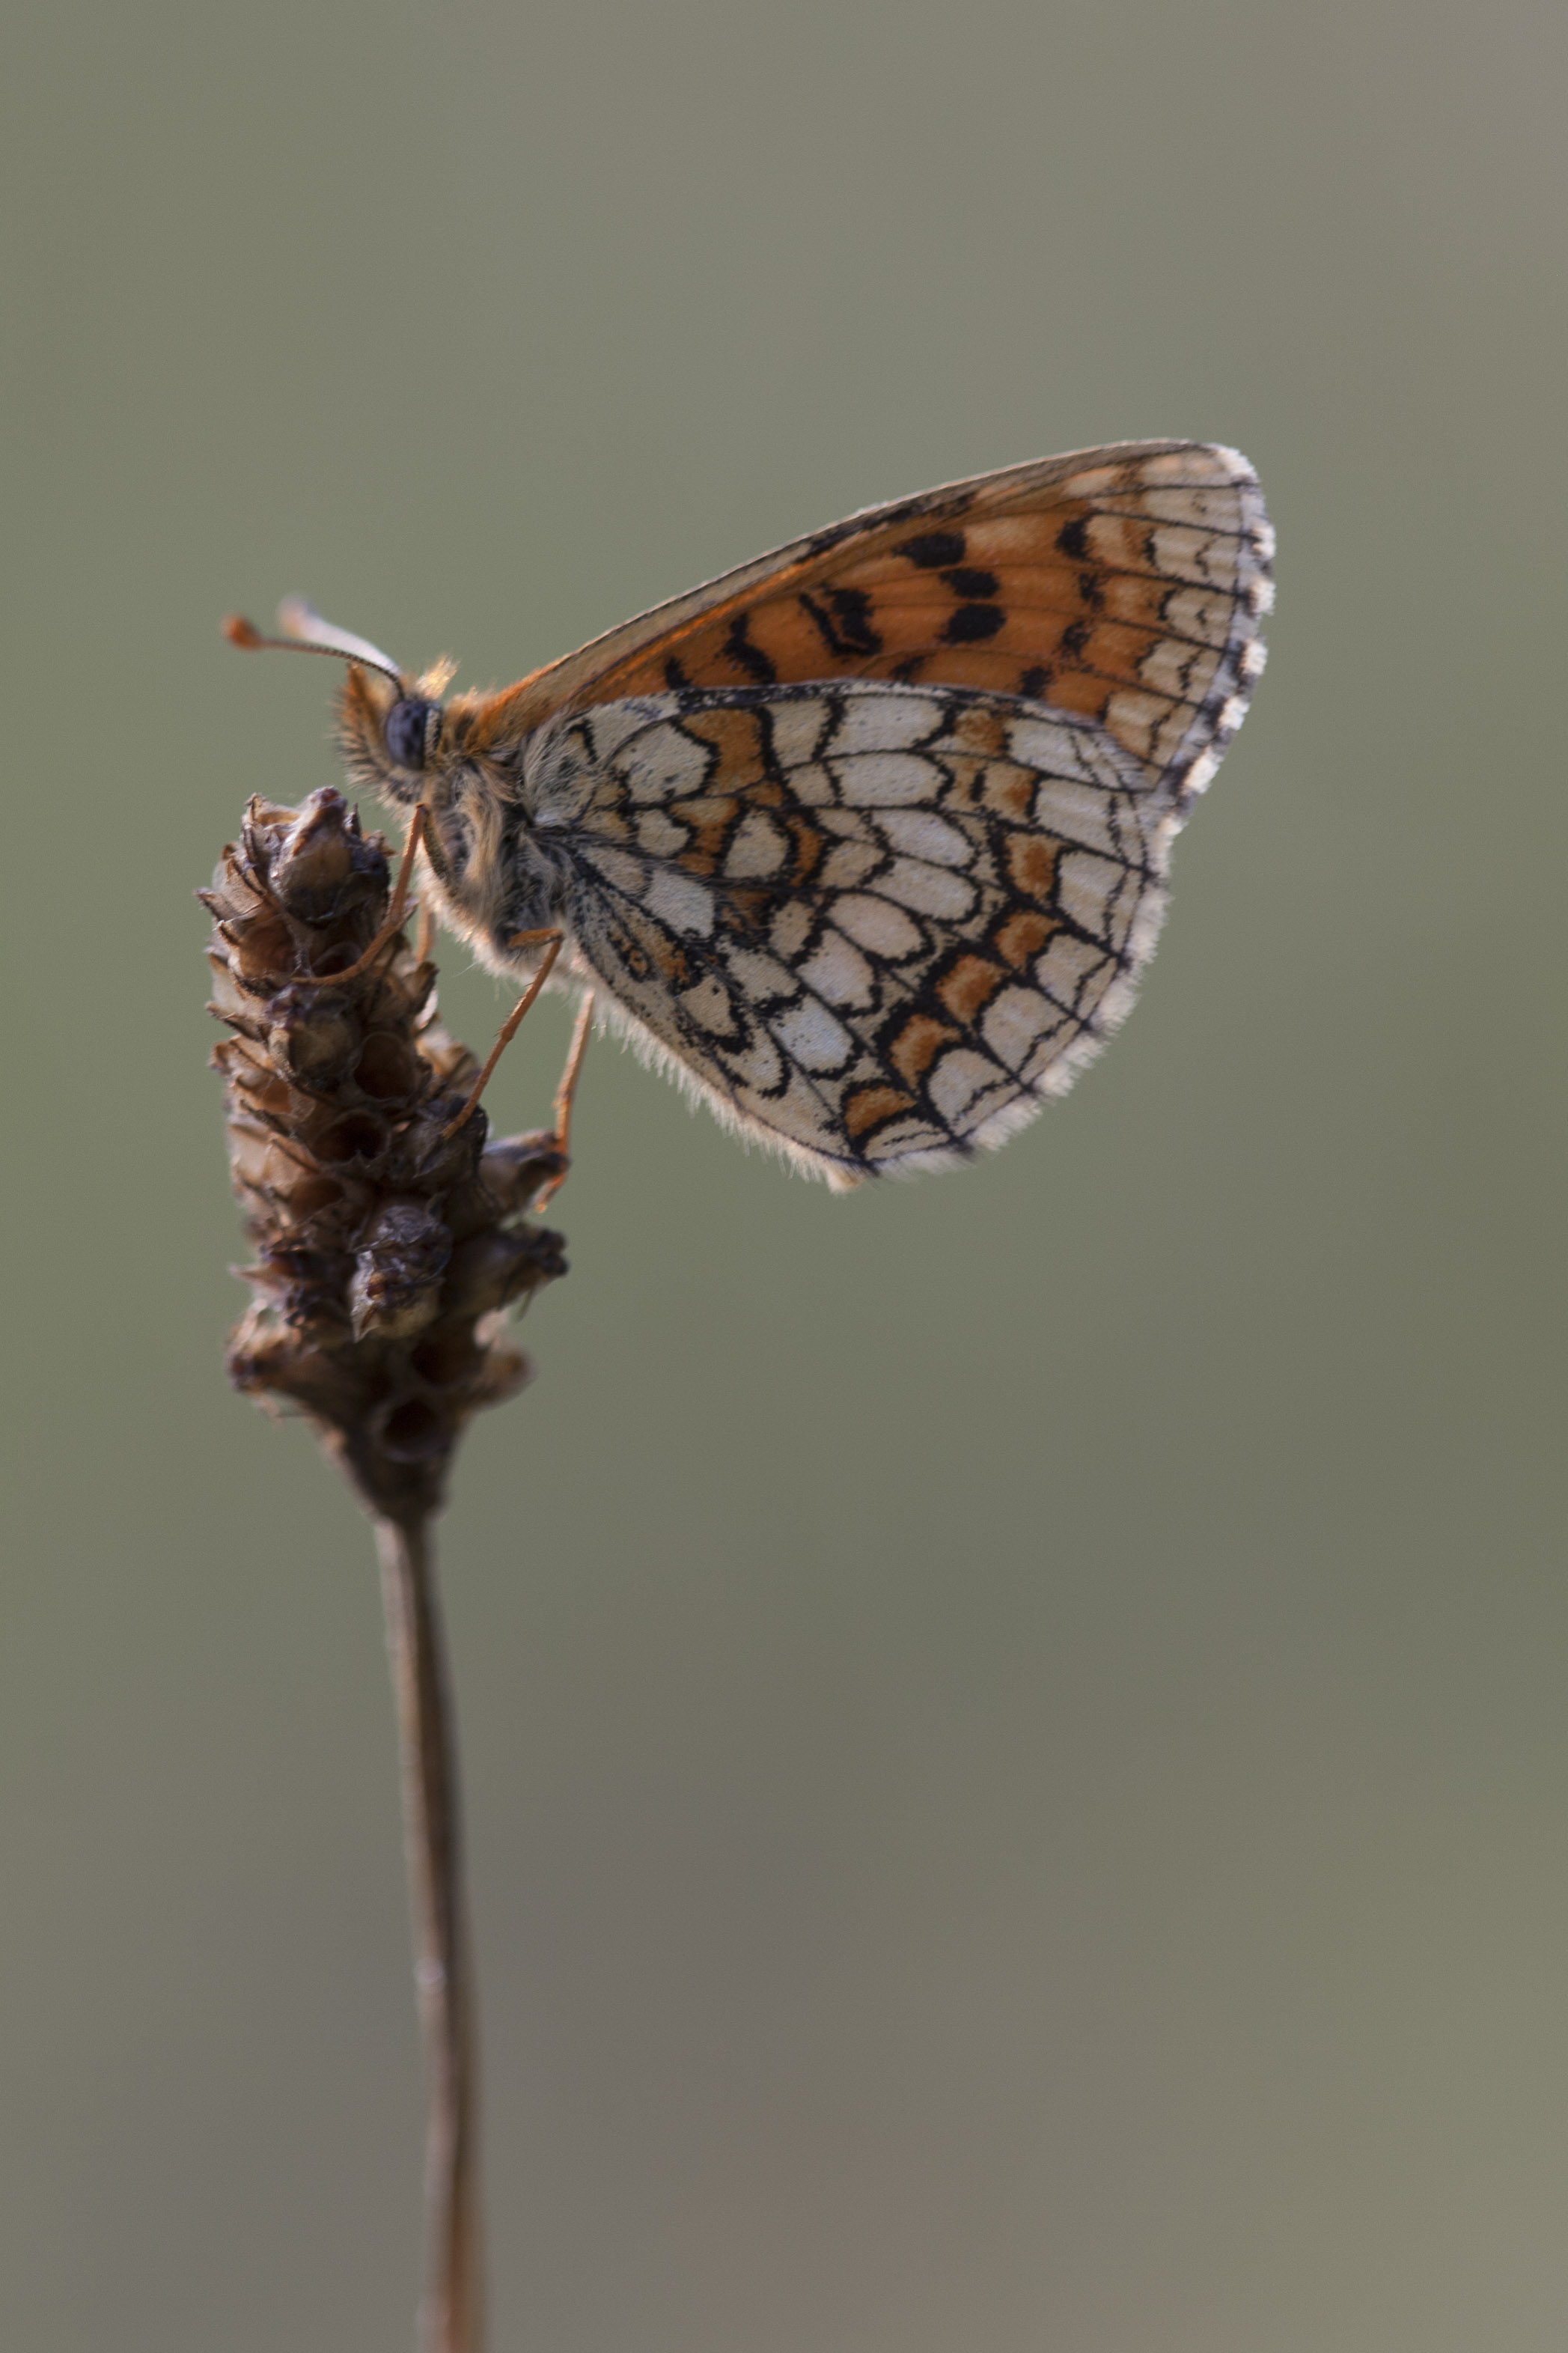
{"x": 552, "y": 942}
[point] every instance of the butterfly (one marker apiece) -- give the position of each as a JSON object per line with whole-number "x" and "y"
{"x": 866, "y": 841}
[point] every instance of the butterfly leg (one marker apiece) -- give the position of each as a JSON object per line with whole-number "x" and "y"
{"x": 508, "y": 1028}
{"x": 395, "y": 913}
{"x": 565, "y": 1093}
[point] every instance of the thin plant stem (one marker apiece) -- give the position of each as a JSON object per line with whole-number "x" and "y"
{"x": 450, "y": 2316}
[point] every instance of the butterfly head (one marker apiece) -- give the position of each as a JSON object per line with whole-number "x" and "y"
{"x": 390, "y": 725}
{"x": 394, "y": 731}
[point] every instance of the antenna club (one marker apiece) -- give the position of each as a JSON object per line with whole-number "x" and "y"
{"x": 308, "y": 634}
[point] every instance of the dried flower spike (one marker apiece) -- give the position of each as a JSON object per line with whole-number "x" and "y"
{"x": 390, "y": 1241}
{"x": 388, "y": 1238}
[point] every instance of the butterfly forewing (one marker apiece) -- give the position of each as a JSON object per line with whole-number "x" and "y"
{"x": 1124, "y": 585}
{"x": 874, "y": 924}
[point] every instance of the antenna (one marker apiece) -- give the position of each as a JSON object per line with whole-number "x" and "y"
{"x": 308, "y": 633}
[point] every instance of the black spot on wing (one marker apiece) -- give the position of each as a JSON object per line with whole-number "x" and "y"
{"x": 965, "y": 582}
{"x": 1073, "y": 538}
{"x": 674, "y": 678}
{"x": 843, "y": 619}
{"x": 970, "y": 625}
{"x": 933, "y": 549}
{"x": 1074, "y": 639}
{"x": 1035, "y": 683}
{"x": 746, "y": 656}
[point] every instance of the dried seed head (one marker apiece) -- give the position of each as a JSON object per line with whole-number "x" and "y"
{"x": 387, "y": 1248}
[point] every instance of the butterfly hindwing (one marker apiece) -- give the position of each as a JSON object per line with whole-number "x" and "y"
{"x": 873, "y": 922}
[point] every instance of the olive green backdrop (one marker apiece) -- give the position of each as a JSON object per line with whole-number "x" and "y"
{"x": 1017, "y": 1726}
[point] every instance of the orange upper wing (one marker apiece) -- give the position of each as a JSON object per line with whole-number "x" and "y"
{"x": 1125, "y": 584}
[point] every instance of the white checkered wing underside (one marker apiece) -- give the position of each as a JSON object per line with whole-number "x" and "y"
{"x": 874, "y": 925}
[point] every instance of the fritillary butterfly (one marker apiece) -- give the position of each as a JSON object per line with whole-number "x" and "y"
{"x": 866, "y": 841}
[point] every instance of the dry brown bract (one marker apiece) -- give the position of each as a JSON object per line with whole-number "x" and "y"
{"x": 388, "y": 1250}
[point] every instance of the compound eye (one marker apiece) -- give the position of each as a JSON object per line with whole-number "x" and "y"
{"x": 407, "y": 725}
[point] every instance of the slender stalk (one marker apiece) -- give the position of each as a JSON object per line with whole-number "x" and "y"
{"x": 450, "y": 2316}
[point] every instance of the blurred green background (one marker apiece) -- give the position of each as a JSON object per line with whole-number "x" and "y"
{"x": 1014, "y": 1727}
